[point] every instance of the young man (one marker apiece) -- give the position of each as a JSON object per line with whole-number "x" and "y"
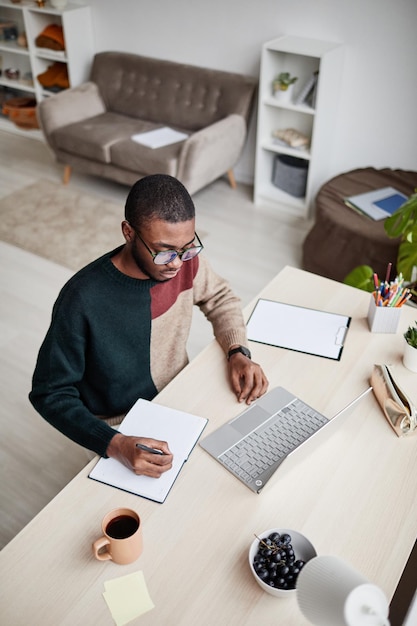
{"x": 120, "y": 325}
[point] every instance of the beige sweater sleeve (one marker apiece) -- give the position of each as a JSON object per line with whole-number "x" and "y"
{"x": 220, "y": 305}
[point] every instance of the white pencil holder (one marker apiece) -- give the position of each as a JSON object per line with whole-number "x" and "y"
{"x": 383, "y": 319}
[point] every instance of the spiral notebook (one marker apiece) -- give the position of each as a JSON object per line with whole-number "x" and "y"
{"x": 148, "y": 419}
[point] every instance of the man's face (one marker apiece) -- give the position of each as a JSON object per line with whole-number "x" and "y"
{"x": 160, "y": 236}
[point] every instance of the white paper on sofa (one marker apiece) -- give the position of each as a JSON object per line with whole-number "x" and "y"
{"x": 159, "y": 137}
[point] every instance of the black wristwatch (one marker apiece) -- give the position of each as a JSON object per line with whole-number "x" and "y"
{"x": 241, "y": 349}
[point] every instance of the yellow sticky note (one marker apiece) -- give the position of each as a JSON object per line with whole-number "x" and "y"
{"x": 127, "y": 597}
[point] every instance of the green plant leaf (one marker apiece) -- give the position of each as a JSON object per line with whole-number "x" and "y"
{"x": 411, "y": 335}
{"x": 403, "y": 219}
{"x": 407, "y": 254}
{"x": 361, "y": 277}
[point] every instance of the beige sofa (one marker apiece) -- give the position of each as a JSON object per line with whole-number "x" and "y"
{"x": 89, "y": 127}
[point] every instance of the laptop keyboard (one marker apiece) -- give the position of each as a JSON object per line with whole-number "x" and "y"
{"x": 261, "y": 449}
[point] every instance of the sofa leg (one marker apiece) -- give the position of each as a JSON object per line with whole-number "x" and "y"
{"x": 231, "y": 178}
{"x": 67, "y": 174}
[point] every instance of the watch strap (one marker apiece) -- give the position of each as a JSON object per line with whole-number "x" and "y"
{"x": 242, "y": 349}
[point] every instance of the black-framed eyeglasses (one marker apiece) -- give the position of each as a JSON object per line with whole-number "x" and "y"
{"x": 167, "y": 256}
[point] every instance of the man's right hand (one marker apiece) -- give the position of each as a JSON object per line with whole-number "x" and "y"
{"x": 123, "y": 448}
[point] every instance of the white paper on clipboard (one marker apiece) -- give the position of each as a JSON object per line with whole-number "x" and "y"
{"x": 298, "y": 328}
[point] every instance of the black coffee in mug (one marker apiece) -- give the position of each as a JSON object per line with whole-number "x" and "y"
{"x": 122, "y": 526}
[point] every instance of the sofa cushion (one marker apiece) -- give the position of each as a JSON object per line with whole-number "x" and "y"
{"x": 130, "y": 155}
{"x": 174, "y": 94}
{"x": 93, "y": 137}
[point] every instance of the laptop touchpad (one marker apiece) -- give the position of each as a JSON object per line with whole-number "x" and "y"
{"x": 250, "y": 419}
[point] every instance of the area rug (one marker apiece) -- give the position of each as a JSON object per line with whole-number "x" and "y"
{"x": 60, "y": 223}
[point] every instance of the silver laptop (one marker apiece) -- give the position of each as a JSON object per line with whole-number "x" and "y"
{"x": 274, "y": 429}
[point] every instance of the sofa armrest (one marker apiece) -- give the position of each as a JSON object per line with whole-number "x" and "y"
{"x": 211, "y": 152}
{"x": 69, "y": 106}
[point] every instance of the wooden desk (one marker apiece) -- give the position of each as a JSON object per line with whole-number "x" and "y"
{"x": 355, "y": 497}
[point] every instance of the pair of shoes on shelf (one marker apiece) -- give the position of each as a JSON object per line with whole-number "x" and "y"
{"x": 51, "y": 37}
{"x": 55, "y": 76}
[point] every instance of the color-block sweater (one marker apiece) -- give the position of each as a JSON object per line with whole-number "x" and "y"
{"x": 113, "y": 339}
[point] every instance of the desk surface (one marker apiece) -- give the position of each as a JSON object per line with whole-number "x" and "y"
{"x": 355, "y": 497}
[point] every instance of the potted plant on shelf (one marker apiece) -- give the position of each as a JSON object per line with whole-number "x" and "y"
{"x": 410, "y": 348}
{"x": 402, "y": 223}
{"x": 282, "y": 86}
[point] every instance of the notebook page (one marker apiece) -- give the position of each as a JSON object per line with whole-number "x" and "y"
{"x": 148, "y": 419}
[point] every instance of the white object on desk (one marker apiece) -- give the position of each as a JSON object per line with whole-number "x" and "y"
{"x": 148, "y": 419}
{"x": 410, "y": 357}
{"x": 298, "y": 328}
{"x": 330, "y": 592}
{"x": 383, "y": 319}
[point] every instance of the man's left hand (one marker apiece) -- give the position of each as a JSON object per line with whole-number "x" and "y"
{"x": 247, "y": 378}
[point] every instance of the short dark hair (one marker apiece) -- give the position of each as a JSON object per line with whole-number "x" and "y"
{"x": 158, "y": 196}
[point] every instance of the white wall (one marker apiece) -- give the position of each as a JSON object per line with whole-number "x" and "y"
{"x": 377, "y": 123}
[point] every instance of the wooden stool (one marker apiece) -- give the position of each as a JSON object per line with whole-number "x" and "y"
{"x": 341, "y": 239}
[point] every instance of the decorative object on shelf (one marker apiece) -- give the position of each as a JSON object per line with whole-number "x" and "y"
{"x": 58, "y": 4}
{"x": 12, "y": 73}
{"x": 27, "y": 79}
{"x": 22, "y": 111}
{"x": 291, "y": 137}
{"x": 282, "y": 86}
{"x": 410, "y": 348}
{"x": 8, "y": 31}
{"x": 307, "y": 94}
{"x": 55, "y": 77}
{"x": 51, "y": 37}
{"x": 22, "y": 40}
{"x": 40, "y": 3}
{"x": 290, "y": 174}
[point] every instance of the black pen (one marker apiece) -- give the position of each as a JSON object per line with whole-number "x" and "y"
{"x": 147, "y": 449}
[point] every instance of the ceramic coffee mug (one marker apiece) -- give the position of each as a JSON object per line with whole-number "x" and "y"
{"x": 122, "y": 537}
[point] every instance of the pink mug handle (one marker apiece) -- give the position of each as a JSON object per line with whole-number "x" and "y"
{"x": 98, "y": 545}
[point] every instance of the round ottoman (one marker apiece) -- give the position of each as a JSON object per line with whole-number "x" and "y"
{"x": 341, "y": 239}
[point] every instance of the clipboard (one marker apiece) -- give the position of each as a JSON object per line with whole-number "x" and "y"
{"x": 298, "y": 328}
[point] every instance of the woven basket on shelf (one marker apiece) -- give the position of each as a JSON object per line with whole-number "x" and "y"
{"x": 22, "y": 111}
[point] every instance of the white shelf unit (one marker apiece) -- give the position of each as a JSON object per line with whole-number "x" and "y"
{"x": 301, "y": 57}
{"x": 31, "y": 61}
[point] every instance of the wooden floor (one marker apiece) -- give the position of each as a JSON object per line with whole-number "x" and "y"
{"x": 246, "y": 244}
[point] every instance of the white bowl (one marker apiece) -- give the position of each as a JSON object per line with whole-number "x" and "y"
{"x": 303, "y": 549}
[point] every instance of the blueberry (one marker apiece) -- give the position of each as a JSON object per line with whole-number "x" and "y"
{"x": 286, "y": 539}
{"x": 263, "y": 574}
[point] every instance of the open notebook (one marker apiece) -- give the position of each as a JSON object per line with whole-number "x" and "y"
{"x": 148, "y": 419}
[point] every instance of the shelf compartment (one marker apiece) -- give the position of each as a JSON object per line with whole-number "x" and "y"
{"x": 280, "y": 149}
{"x": 52, "y": 55}
{"x": 291, "y": 106}
{"x": 12, "y": 47}
{"x": 18, "y": 85}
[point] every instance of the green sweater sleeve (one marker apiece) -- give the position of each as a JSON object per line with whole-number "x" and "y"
{"x": 60, "y": 366}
